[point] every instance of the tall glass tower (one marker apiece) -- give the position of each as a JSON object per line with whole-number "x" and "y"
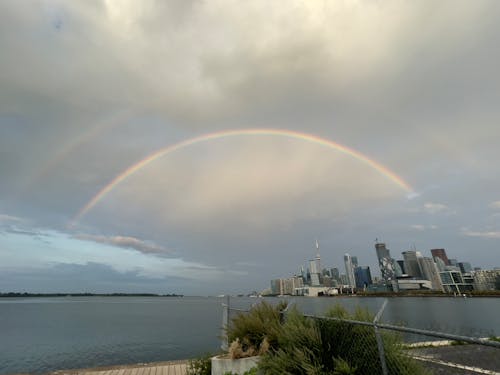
{"x": 349, "y": 270}
{"x": 384, "y": 262}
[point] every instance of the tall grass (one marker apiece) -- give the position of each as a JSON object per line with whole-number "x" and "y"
{"x": 302, "y": 345}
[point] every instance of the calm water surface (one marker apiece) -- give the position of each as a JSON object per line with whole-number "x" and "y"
{"x": 44, "y": 334}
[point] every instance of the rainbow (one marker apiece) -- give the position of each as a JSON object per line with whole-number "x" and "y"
{"x": 237, "y": 133}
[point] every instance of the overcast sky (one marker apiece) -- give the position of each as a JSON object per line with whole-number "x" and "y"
{"x": 89, "y": 89}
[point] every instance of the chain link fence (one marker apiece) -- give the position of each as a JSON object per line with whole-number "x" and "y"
{"x": 372, "y": 347}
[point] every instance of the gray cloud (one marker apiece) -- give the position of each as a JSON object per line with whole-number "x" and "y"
{"x": 435, "y": 208}
{"x": 146, "y": 247}
{"x": 89, "y": 89}
{"x": 482, "y": 234}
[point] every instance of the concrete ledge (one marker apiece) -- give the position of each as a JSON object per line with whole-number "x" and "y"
{"x": 222, "y": 365}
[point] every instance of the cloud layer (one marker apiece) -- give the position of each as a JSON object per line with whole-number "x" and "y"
{"x": 89, "y": 89}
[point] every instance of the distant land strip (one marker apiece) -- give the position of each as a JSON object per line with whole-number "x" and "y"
{"x": 16, "y": 294}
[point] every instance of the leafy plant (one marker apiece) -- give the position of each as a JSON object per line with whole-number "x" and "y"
{"x": 322, "y": 346}
{"x": 257, "y": 331}
{"x": 200, "y": 366}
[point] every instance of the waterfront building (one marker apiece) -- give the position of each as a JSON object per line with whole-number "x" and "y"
{"x": 453, "y": 282}
{"x": 286, "y": 286}
{"x": 412, "y": 265}
{"x": 363, "y": 277}
{"x": 465, "y": 267}
{"x": 276, "y": 287}
{"x": 349, "y": 270}
{"x": 440, "y": 253}
{"x": 430, "y": 272}
{"x": 314, "y": 291}
{"x": 485, "y": 279}
{"x": 385, "y": 262}
{"x": 413, "y": 284}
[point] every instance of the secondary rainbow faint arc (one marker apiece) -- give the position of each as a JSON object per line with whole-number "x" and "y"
{"x": 243, "y": 132}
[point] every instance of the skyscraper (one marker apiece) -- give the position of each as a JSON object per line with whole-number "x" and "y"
{"x": 440, "y": 253}
{"x": 384, "y": 261}
{"x": 334, "y": 272}
{"x": 363, "y": 277}
{"x": 401, "y": 265}
{"x": 349, "y": 270}
{"x": 412, "y": 266}
{"x": 430, "y": 272}
{"x": 314, "y": 272}
{"x": 318, "y": 258}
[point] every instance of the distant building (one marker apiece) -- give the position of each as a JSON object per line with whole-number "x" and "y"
{"x": 385, "y": 262}
{"x": 354, "y": 260}
{"x": 398, "y": 271}
{"x": 335, "y": 274}
{"x": 440, "y": 253}
{"x": 363, "y": 277}
{"x": 314, "y": 273}
{"x": 312, "y": 266}
{"x": 440, "y": 264}
{"x": 485, "y": 279}
{"x": 465, "y": 267}
{"x": 412, "y": 266}
{"x": 343, "y": 279}
{"x": 276, "y": 287}
{"x": 286, "y": 286}
{"x": 453, "y": 282}
{"x": 453, "y": 262}
{"x": 402, "y": 266}
{"x": 349, "y": 270}
{"x": 315, "y": 281}
{"x": 414, "y": 284}
{"x": 430, "y": 272}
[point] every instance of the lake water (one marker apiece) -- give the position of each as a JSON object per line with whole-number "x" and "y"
{"x": 43, "y": 334}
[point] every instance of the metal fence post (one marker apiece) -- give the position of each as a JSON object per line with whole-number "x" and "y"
{"x": 225, "y": 322}
{"x": 380, "y": 343}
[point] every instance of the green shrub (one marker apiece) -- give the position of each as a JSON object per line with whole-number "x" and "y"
{"x": 200, "y": 366}
{"x": 250, "y": 333}
{"x": 321, "y": 346}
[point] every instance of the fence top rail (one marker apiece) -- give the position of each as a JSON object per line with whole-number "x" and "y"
{"x": 392, "y": 327}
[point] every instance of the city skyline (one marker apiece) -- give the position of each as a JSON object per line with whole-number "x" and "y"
{"x": 201, "y": 147}
{"x": 415, "y": 272}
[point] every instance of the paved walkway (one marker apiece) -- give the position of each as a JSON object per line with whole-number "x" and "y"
{"x": 161, "y": 368}
{"x": 460, "y": 359}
